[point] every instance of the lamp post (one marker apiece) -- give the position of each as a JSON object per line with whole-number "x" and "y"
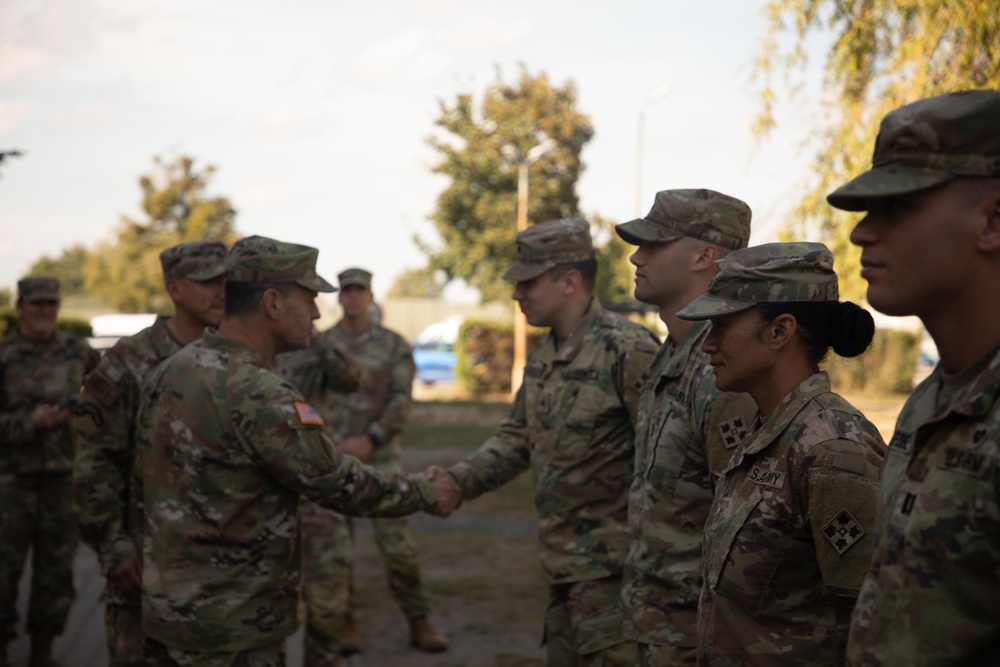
{"x": 512, "y": 154}
{"x": 653, "y": 98}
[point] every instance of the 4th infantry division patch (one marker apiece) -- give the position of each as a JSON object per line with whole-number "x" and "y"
{"x": 843, "y": 531}
{"x": 733, "y": 431}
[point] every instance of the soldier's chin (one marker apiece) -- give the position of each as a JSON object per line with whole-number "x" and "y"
{"x": 887, "y": 304}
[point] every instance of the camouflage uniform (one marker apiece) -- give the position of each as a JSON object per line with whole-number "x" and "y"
{"x": 324, "y": 373}
{"x": 571, "y": 425}
{"x": 105, "y": 426}
{"x": 35, "y": 469}
{"x": 684, "y": 433}
{"x": 787, "y": 540}
{"x": 226, "y": 447}
{"x": 932, "y": 595}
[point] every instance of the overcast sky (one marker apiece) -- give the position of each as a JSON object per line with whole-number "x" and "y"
{"x": 316, "y": 113}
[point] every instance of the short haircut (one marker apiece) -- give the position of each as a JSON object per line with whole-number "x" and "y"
{"x": 586, "y": 267}
{"x": 242, "y": 298}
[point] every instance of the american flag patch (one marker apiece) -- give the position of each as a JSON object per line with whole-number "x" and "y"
{"x": 308, "y": 414}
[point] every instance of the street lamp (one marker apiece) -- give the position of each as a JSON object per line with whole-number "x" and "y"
{"x": 653, "y": 98}
{"x": 512, "y": 154}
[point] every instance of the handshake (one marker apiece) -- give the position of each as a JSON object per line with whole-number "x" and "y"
{"x": 446, "y": 489}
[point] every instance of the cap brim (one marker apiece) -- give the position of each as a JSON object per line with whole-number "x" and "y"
{"x": 878, "y": 183}
{"x": 706, "y": 307}
{"x": 210, "y": 273}
{"x": 355, "y": 281}
{"x": 519, "y": 271}
{"x": 639, "y": 231}
{"x": 316, "y": 283}
{"x": 35, "y": 298}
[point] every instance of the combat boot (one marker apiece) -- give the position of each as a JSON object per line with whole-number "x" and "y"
{"x": 41, "y": 651}
{"x": 424, "y": 637}
{"x": 350, "y": 639}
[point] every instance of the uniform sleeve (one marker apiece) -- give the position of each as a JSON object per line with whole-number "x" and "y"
{"x": 840, "y": 490}
{"x": 389, "y": 422}
{"x": 504, "y": 456}
{"x": 342, "y": 371}
{"x": 104, "y": 455}
{"x": 631, "y": 370}
{"x": 16, "y": 425}
{"x": 288, "y": 438}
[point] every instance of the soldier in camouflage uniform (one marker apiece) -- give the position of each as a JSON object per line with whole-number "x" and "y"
{"x": 788, "y": 538}
{"x": 684, "y": 432}
{"x": 930, "y": 246}
{"x": 104, "y": 421}
{"x": 226, "y": 447}
{"x": 571, "y": 424}
{"x": 41, "y": 368}
{"x": 366, "y": 424}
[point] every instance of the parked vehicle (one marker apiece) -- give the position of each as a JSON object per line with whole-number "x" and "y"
{"x": 434, "y": 351}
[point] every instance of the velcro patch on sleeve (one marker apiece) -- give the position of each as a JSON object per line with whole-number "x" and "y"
{"x": 308, "y": 415}
{"x": 843, "y": 531}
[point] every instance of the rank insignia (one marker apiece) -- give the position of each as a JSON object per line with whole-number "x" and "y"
{"x": 843, "y": 531}
{"x": 733, "y": 431}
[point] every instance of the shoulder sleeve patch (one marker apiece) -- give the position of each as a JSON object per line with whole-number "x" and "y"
{"x": 307, "y": 414}
{"x": 101, "y": 388}
{"x": 842, "y": 531}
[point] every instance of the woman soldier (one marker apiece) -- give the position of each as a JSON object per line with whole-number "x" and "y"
{"x": 788, "y": 539}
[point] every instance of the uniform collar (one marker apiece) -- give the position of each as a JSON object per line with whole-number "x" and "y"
{"x": 570, "y": 347}
{"x": 214, "y": 341}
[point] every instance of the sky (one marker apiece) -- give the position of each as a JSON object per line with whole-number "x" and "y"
{"x": 316, "y": 113}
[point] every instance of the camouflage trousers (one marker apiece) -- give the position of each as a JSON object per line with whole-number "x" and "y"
{"x": 123, "y": 626}
{"x": 665, "y": 655}
{"x": 158, "y": 655}
{"x": 583, "y": 626}
{"x": 36, "y": 512}
{"x": 327, "y": 565}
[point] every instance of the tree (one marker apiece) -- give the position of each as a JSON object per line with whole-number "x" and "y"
{"x": 417, "y": 284}
{"x": 68, "y": 267}
{"x": 614, "y": 272}
{"x": 125, "y": 272}
{"x": 885, "y": 53}
{"x": 476, "y": 214}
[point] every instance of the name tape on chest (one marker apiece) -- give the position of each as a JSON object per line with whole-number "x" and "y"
{"x": 965, "y": 462}
{"x": 773, "y": 478}
{"x": 843, "y": 531}
{"x": 308, "y": 415}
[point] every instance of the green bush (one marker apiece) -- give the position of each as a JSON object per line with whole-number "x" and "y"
{"x": 8, "y": 323}
{"x": 886, "y": 368}
{"x": 484, "y": 355}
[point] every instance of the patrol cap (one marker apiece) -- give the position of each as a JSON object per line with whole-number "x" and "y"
{"x": 702, "y": 214}
{"x": 38, "y": 288}
{"x": 256, "y": 259}
{"x": 198, "y": 260}
{"x": 548, "y": 244}
{"x": 928, "y": 143}
{"x": 355, "y": 276}
{"x": 768, "y": 273}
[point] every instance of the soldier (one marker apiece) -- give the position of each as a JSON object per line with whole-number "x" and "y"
{"x": 41, "y": 369}
{"x": 226, "y": 447}
{"x": 930, "y": 246}
{"x": 680, "y": 441}
{"x": 572, "y": 424}
{"x": 194, "y": 277}
{"x": 788, "y": 537}
{"x": 366, "y": 424}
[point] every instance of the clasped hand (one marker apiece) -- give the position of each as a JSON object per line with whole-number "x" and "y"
{"x": 446, "y": 489}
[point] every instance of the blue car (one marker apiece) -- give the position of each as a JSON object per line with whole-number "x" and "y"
{"x": 434, "y": 351}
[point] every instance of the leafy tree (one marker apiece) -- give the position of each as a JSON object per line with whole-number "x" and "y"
{"x": 125, "y": 272}
{"x": 6, "y": 297}
{"x": 885, "y": 53}
{"x": 417, "y": 283}
{"x": 67, "y": 267}
{"x": 614, "y": 274}
{"x": 476, "y": 214}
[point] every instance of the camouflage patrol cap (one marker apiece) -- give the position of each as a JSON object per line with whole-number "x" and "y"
{"x": 548, "y": 244}
{"x": 768, "y": 273}
{"x": 38, "y": 288}
{"x": 355, "y": 276}
{"x": 198, "y": 260}
{"x": 928, "y": 143}
{"x": 256, "y": 259}
{"x": 702, "y": 214}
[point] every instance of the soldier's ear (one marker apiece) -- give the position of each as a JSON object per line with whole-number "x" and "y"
{"x": 270, "y": 303}
{"x": 705, "y": 259}
{"x": 780, "y": 331}
{"x": 989, "y": 233}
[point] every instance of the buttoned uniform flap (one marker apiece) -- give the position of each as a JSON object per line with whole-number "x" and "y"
{"x": 841, "y": 513}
